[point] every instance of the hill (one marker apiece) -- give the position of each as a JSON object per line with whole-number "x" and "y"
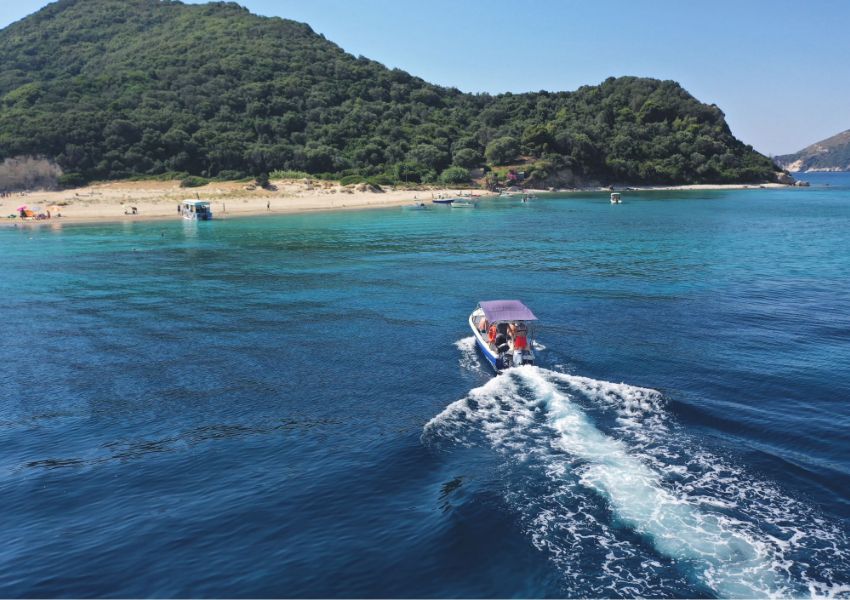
{"x": 117, "y": 88}
{"x": 831, "y": 154}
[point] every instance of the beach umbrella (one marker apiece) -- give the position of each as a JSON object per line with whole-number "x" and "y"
{"x": 22, "y": 207}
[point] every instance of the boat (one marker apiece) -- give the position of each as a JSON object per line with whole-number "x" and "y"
{"x": 503, "y": 332}
{"x": 443, "y": 200}
{"x": 417, "y": 206}
{"x": 528, "y": 197}
{"x": 196, "y": 210}
{"x": 460, "y": 203}
{"x": 615, "y": 198}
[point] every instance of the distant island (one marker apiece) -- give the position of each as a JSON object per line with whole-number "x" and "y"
{"x": 831, "y": 154}
{"x": 114, "y": 89}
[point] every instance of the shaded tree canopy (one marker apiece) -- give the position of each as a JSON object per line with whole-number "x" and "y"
{"x": 117, "y": 88}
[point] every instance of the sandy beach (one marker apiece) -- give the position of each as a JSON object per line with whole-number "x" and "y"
{"x": 115, "y": 201}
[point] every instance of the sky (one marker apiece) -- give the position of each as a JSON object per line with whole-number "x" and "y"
{"x": 777, "y": 68}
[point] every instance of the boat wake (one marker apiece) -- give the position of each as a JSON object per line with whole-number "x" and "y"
{"x": 605, "y": 482}
{"x": 468, "y": 354}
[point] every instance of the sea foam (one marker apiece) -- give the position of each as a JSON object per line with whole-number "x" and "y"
{"x": 726, "y": 531}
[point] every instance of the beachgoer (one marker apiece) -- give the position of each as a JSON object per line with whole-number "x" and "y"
{"x": 268, "y": 205}
{"x": 179, "y": 209}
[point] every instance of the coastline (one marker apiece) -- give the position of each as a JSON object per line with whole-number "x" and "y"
{"x": 158, "y": 200}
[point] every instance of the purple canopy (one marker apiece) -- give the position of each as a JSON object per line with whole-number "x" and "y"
{"x": 506, "y": 310}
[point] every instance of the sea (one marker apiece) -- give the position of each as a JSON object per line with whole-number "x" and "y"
{"x": 293, "y": 405}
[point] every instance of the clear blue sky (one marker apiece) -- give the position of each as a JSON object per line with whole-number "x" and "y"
{"x": 777, "y": 68}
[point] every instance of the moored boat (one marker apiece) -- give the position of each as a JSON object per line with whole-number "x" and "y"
{"x": 463, "y": 204}
{"x": 503, "y": 332}
{"x": 196, "y": 210}
{"x": 615, "y": 198}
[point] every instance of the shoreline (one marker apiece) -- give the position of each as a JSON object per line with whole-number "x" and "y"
{"x": 112, "y": 202}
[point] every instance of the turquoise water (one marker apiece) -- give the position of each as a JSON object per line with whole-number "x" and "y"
{"x": 293, "y": 406}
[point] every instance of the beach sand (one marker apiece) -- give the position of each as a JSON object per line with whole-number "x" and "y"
{"x": 114, "y": 201}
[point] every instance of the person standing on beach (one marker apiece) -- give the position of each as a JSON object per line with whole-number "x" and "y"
{"x": 268, "y": 205}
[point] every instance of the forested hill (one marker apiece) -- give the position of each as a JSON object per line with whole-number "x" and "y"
{"x": 831, "y": 154}
{"x": 115, "y": 88}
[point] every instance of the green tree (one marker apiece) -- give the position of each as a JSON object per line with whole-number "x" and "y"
{"x": 502, "y": 150}
{"x": 454, "y": 175}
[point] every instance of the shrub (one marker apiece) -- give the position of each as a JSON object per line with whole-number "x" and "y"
{"x": 454, "y": 175}
{"x": 280, "y": 174}
{"x": 230, "y": 175}
{"x": 382, "y": 179}
{"x": 193, "y": 181}
{"x": 71, "y": 180}
{"x": 262, "y": 180}
{"x": 352, "y": 179}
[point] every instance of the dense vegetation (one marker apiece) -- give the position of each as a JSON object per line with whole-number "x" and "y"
{"x": 831, "y": 154}
{"x": 117, "y": 88}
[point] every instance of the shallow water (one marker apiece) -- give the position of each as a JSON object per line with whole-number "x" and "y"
{"x": 292, "y": 406}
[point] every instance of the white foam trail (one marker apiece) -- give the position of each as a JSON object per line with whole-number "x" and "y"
{"x": 640, "y": 411}
{"x": 743, "y": 535}
{"x": 731, "y": 564}
{"x": 468, "y": 355}
{"x": 684, "y": 519}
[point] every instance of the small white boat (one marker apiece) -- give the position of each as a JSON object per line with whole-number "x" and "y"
{"x": 615, "y": 198}
{"x": 503, "y": 332}
{"x": 416, "y": 206}
{"x": 464, "y": 204}
{"x": 196, "y": 210}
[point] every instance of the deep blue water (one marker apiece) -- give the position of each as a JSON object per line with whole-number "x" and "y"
{"x": 291, "y": 406}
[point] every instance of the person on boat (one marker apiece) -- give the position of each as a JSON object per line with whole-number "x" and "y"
{"x": 482, "y": 324}
{"x": 518, "y": 333}
{"x": 500, "y": 343}
{"x": 491, "y": 333}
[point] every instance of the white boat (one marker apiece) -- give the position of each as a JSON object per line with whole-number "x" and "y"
{"x": 416, "y": 206}
{"x": 464, "y": 204}
{"x": 615, "y": 198}
{"x": 503, "y": 332}
{"x": 196, "y": 210}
